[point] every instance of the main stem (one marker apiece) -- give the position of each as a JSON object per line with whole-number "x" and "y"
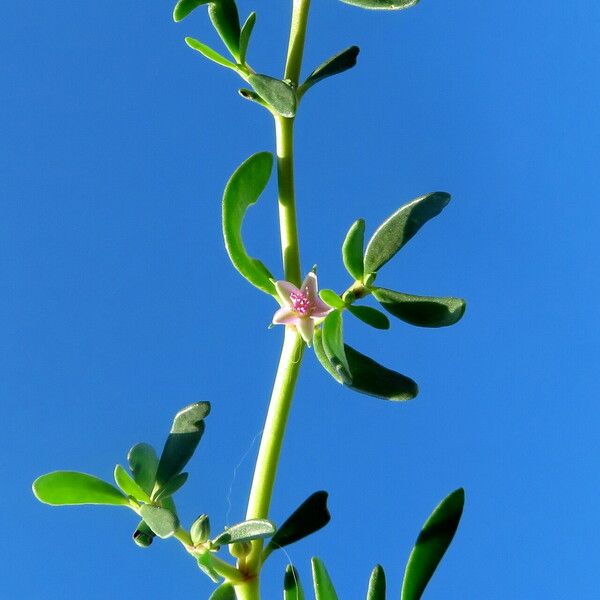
{"x": 269, "y": 452}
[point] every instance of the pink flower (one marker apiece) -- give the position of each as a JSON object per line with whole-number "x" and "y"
{"x": 302, "y": 307}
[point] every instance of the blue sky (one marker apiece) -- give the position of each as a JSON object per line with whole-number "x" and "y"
{"x": 120, "y": 305}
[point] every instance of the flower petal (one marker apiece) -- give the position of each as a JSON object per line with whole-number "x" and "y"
{"x": 284, "y": 289}
{"x": 310, "y": 287}
{"x": 285, "y": 316}
{"x": 306, "y": 328}
{"x": 321, "y": 309}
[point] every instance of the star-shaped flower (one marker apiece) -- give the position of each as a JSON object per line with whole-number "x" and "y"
{"x": 302, "y": 307}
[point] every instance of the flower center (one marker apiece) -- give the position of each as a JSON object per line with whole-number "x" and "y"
{"x": 301, "y": 303}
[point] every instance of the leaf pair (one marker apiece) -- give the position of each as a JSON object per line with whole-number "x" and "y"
{"x": 225, "y": 19}
{"x": 283, "y": 97}
{"x": 366, "y": 314}
{"x": 388, "y": 239}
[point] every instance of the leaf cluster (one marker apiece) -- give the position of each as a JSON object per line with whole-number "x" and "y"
{"x": 433, "y": 541}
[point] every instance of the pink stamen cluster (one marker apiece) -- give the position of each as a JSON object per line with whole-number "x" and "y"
{"x": 301, "y": 303}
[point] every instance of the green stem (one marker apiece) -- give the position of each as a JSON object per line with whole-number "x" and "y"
{"x": 269, "y": 452}
{"x": 288, "y": 227}
{"x": 272, "y": 438}
{"x": 248, "y": 590}
{"x": 293, "y": 62}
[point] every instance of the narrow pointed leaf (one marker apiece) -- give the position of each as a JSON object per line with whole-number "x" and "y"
{"x": 376, "y": 589}
{"x": 143, "y": 463}
{"x": 292, "y": 587}
{"x": 382, "y": 4}
{"x": 71, "y": 487}
{"x": 143, "y": 536}
{"x": 161, "y": 521}
{"x": 186, "y": 432}
{"x": 324, "y": 589}
{"x": 245, "y": 34}
{"x": 308, "y": 518}
{"x": 333, "y": 343}
{"x": 243, "y": 189}
{"x": 322, "y": 356}
{"x": 338, "y": 63}
{"x": 353, "y": 250}
{"x": 174, "y": 484}
{"x": 370, "y": 316}
{"x": 424, "y": 311}
{"x": 400, "y": 227}
{"x": 432, "y": 543}
{"x": 279, "y": 94}
{"x": 129, "y": 486}
{"x": 246, "y": 531}
{"x": 369, "y": 377}
{"x": 209, "y": 53}
{"x": 184, "y": 7}
{"x": 226, "y": 20}
{"x": 331, "y": 298}
{"x": 224, "y": 592}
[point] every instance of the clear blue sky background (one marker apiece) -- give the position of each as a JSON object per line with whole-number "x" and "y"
{"x": 119, "y": 305}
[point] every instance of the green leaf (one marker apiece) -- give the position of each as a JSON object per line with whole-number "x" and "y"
{"x": 322, "y": 356}
{"x": 161, "y": 521}
{"x": 353, "y": 249}
{"x": 70, "y": 487}
{"x": 205, "y": 563}
{"x": 171, "y": 487}
{"x": 331, "y": 298}
{"x": 376, "y": 589}
{"x": 369, "y": 377}
{"x": 224, "y": 592}
{"x": 370, "y": 316}
{"x": 143, "y": 536}
{"x": 245, "y": 531}
{"x": 424, "y": 311}
{"x": 432, "y": 543}
{"x": 184, "y": 7}
{"x": 226, "y": 20}
{"x": 324, "y": 589}
{"x": 209, "y": 53}
{"x": 292, "y": 587}
{"x": 143, "y": 463}
{"x": 130, "y": 488}
{"x": 243, "y": 189}
{"x": 245, "y": 34}
{"x": 338, "y": 63}
{"x": 186, "y": 432}
{"x": 400, "y": 227}
{"x": 308, "y": 518}
{"x": 279, "y": 94}
{"x": 382, "y": 4}
{"x": 333, "y": 343}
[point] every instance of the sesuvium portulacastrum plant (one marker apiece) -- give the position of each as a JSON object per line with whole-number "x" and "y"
{"x": 311, "y": 319}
